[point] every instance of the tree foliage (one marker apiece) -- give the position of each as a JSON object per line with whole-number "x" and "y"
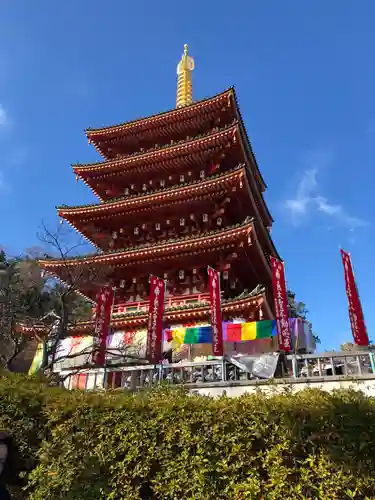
{"x": 35, "y": 299}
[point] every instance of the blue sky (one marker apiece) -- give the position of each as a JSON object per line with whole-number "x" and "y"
{"x": 305, "y": 77}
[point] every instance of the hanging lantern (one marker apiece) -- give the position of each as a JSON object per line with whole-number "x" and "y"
{"x": 157, "y": 226}
{"x": 182, "y": 178}
{"x": 225, "y": 275}
{"x": 150, "y": 182}
{"x": 205, "y": 217}
{"x": 77, "y": 178}
{"x": 132, "y": 186}
{"x": 126, "y": 192}
{"x": 190, "y": 173}
{"x": 165, "y": 276}
{"x": 202, "y": 174}
{"x": 192, "y": 216}
{"x": 194, "y": 271}
{"x": 144, "y": 187}
{"x": 122, "y": 284}
{"x": 162, "y": 183}
{"x": 181, "y": 274}
{"x": 182, "y": 221}
{"x": 170, "y": 177}
{"x": 134, "y": 280}
{"x": 168, "y": 221}
{"x": 114, "y": 235}
{"x": 219, "y": 221}
{"x": 121, "y": 230}
{"x": 143, "y": 226}
{"x": 136, "y": 230}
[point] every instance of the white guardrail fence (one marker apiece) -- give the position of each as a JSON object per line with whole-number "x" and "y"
{"x": 226, "y": 372}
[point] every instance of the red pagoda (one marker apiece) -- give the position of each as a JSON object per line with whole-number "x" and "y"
{"x": 178, "y": 191}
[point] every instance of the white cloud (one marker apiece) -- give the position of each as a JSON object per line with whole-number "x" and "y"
{"x": 308, "y": 198}
{"x": 3, "y": 116}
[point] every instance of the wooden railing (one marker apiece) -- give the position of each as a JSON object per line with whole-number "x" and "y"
{"x": 172, "y": 301}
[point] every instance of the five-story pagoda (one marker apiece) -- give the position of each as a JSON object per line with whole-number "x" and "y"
{"x": 178, "y": 191}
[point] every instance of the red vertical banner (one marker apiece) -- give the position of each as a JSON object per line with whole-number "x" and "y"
{"x": 103, "y": 311}
{"x": 357, "y": 320}
{"x": 281, "y": 304}
{"x": 215, "y": 307}
{"x": 155, "y": 320}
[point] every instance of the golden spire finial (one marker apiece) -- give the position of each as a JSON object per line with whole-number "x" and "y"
{"x": 184, "y": 80}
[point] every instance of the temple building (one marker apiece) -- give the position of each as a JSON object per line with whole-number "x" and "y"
{"x": 177, "y": 191}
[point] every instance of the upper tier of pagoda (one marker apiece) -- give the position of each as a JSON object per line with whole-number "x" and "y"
{"x": 152, "y": 140}
{"x": 178, "y": 191}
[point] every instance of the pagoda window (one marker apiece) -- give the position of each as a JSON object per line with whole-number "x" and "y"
{"x": 162, "y": 183}
{"x": 182, "y": 178}
{"x": 205, "y": 217}
{"x": 157, "y": 226}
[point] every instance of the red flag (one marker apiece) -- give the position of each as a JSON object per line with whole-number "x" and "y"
{"x": 155, "y": 320}
{"x": 216, "y": 321}
{"x": 281, "y": 304}
{"x": 357, "y": 320}
{"x": 102, "y": 321}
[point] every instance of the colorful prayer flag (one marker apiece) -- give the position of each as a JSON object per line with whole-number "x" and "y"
{"x": 37, "y": 361}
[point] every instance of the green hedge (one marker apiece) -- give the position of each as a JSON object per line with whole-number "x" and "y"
{"x": 168, "y": 445}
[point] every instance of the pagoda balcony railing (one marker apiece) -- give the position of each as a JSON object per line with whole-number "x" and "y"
{"x": 172, "y": 301}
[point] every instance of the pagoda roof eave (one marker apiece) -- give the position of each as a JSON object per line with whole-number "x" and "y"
{"x": 247, "y": 140}
{"x": 158, "y": 249}
{"x": 129, "y": 202}
{"x": 139, "y": 318}
{"x": 91, "y": 133}
{"x": 98, "y": 168}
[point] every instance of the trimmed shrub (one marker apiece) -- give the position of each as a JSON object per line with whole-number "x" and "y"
{"x": 166, "y": 444}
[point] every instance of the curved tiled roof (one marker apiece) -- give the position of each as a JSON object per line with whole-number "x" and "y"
{"x": 176, "y": 147}
{"x": 139, "y": 315}
{"x": 148, "y": 248}
{"x": 130, "y": 200}
{"x": 158, "y": 117}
